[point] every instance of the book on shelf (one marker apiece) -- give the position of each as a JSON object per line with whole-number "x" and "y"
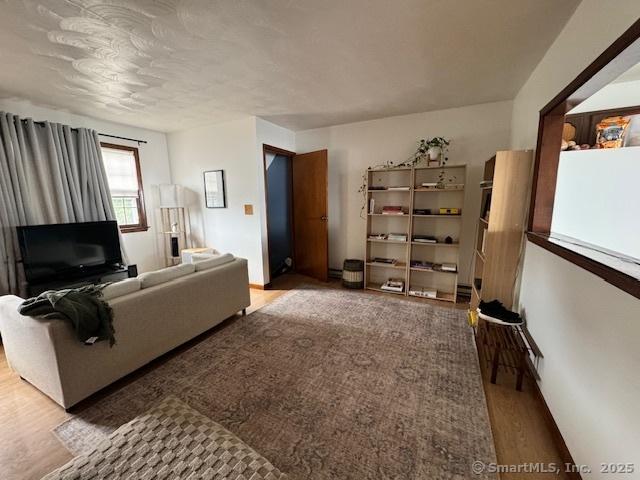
{"x": 423, "y": 292}
{"x": 449, "y": 267}
{"x": 422, "y": 211}
{"x": 386, "y": 261}
{"x": 393, "y": 285}
{"x": 453, "y": 186}
{"x": 372, "y": 205}
{"x": 377, "y": 187}
{"x": 392, "y": 210}
{"x": 377, "y": 236}
{"x": 486, "y": 183}
{"x": 422, "y": 265}
{"x": 484, "y": 240}
{"x": 425, "y": 239}
{"x": 430, "y": 184}
{"x": 399, "y": 189}
{"x": 450, "y": 211}
{"x": 397, "y": 237}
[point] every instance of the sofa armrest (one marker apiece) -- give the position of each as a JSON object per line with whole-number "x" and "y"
{"x": 30, "y": 346}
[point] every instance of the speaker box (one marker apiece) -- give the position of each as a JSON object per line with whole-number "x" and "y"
{"x": 175, "y": 250}
{"x": 132, "y": 271}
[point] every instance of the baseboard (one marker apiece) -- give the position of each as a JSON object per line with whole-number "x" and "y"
{"x": 260, "y": 287}
{"x": 558, "y": 440}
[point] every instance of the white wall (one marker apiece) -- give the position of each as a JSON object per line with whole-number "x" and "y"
{"x": 597, "y": 198}
{"x": 587, "y": 329}
{"x": 229, "y": 146}
{"x": 614, "y": 95}
{"x": 143, "y": 248}
{"x": 477, "y": 132}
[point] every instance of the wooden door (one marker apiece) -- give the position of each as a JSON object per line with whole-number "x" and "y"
{"x": 311, "y": 237}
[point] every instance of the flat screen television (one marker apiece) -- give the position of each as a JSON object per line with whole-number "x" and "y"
{"x": 68, "y": 250}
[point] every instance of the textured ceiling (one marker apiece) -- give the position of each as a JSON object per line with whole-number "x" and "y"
{"x": 169, "y": 64}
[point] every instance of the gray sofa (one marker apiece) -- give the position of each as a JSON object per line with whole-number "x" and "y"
{"x": 148, "y": 322}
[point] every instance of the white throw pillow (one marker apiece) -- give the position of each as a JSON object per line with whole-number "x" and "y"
{"x": 149, "y": 279}
{"x": 214, "y": 261}
{"x": 120, "y": 288}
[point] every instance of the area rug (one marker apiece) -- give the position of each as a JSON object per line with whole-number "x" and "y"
{"x": 170, "y": 441}
{"x": 327, "y": 384}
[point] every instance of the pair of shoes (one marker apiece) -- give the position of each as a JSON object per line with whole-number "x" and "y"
{"x": 497, "y": 310}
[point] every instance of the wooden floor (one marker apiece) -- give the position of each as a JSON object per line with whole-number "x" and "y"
{"x": 28, "y": 449}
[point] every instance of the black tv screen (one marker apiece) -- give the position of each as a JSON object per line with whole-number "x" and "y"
{"x": 59, "y": 250}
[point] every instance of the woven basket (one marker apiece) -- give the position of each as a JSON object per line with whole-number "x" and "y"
{"x": 353, "y": 273}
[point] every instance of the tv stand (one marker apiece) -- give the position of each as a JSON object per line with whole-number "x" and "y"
{"x": 111, "y": 273}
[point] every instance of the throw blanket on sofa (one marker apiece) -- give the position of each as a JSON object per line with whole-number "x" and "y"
{"x": 90, "y": 316}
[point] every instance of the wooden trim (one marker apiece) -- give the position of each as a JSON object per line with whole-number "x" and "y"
{"x": 257, "y": 286}
{"x": 142, "y": 226}
{"x": 610, "y": 275}
{"x": 277, "y": 150}
{"x": 614, "y": 61}
{"x": 290, "y": 155}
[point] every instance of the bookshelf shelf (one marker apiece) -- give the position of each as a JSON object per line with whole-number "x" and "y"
{"x": 398, "y": 242}
{"x": 436, "y": 190}
{"x": 375, "y": 287}
{"x": 398, "y": 266}
{"x": 445, "y": 283}
{"x": 438, "y": 245}
{"x": 426, "y": 270}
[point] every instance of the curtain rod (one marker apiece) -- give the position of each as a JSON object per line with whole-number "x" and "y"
{"x": 101, "y": 134}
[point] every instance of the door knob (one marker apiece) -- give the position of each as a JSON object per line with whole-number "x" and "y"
{"x": 324, "y": 218}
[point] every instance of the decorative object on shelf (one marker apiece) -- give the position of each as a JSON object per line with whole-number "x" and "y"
{"x": 422, "y": 211}
{"x": 215, "y": 193}
{"x": 611, "y": 131}
{"x": 353, "y": 273}
{"x": 437, "y": 149}
{"x": 448, "y": 240}
{"x": 175, "y": 221}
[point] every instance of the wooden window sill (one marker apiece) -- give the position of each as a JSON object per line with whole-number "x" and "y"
{"x": 137, "y": 228}
{"x": 622, "y": 272}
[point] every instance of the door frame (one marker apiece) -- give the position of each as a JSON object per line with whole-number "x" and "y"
{"x": 266, "y": 148}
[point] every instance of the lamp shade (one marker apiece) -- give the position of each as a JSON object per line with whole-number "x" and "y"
{"x": 171, "y": 196}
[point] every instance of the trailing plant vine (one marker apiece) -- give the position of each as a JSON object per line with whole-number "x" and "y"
{"x": 420, "y": 154}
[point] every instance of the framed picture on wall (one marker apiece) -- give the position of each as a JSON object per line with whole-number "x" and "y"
{"x": 215, "y": 195}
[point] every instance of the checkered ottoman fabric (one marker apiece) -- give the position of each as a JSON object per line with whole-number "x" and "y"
{"x": 171, "y": 441}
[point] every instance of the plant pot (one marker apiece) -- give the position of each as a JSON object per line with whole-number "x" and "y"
{"x": 434, "y": 153}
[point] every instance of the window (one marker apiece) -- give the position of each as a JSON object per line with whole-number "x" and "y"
{"x": 584, "y": 200}
{"x": 122, "y": 165}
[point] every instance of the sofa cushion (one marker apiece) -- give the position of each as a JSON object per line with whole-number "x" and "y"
{"x": 149, "y": 279}
{"x": 121, "y": 288}
{"x": 213, "y": 261}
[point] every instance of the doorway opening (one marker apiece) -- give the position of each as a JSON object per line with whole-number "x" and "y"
{"x": 296, "y": 196}
{"x": 279, "y": 201}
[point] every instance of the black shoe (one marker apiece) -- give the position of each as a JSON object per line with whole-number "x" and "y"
{"x": 495, "y": 309}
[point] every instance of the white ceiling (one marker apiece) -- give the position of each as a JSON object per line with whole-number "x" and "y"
{"x": 169, "y": 64}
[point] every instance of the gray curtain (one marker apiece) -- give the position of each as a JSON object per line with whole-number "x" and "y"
{"x": 49, "y": 173}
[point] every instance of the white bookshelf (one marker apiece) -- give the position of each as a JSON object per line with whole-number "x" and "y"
{"x": 434, "y": 224}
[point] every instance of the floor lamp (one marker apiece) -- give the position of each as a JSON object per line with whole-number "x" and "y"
{"x": 175, "y": 222}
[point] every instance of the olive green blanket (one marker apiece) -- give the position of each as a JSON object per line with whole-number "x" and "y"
{"x": 90, "y": 316}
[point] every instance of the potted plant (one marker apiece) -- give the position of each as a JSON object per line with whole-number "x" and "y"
{"x": 436, "y": 147}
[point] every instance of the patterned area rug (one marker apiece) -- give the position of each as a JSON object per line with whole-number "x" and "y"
{"x": 170, "y": 441}
{"x": 327, "y": 384}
